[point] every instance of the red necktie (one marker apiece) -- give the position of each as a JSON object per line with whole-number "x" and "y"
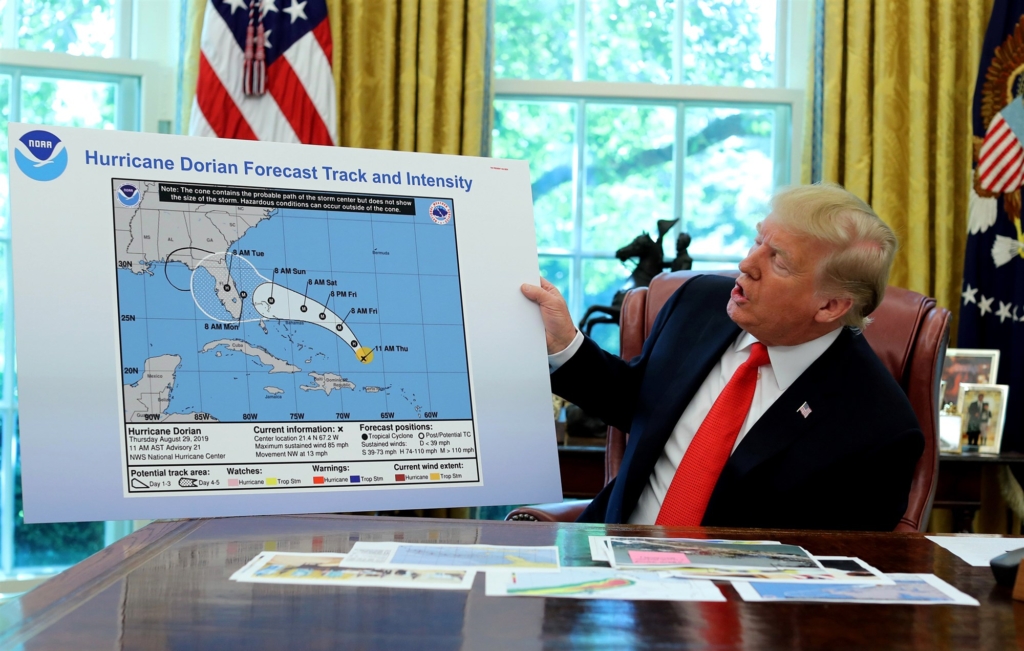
{"x": 695, "y": 478}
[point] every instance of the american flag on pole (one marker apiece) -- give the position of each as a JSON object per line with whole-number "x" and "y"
{"x": 265, "y": 72}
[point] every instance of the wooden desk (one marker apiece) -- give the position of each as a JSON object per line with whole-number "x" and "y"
{"x": 166, "y": 587}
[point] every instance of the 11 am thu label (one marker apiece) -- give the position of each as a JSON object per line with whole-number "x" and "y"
{"x": 279, "y": 339}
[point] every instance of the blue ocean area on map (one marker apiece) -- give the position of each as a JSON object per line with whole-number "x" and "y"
{"x": 393, "y": 280}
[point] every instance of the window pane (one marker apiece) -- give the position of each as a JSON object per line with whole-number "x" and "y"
{"x": 729, "y": 42}
{"x": 630, "y": 41}
{"x": 601, "y": 279}
{"x": 728, "y": 177}
{"x": 5, "y": 115}
{"x": 85, "y": 27}
{"x": 68, "y": 102}
{"x": 5, "y": 301}
{"x": 557, "y": 271}
{"x": 534, "y": 39}
{"x": 542, "y": 133}
{"x": 45, "y": 545}
{"x": 629, "y": 173}
{"x": 707, "y": 265}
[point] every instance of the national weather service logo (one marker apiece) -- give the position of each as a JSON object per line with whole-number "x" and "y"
{"x": 128, "y": 195}
{"x": 41, "y": 155}
{"x": 440, "y": 212}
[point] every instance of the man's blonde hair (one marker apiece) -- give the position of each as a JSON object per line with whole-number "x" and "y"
{"x": 861, "y": 246}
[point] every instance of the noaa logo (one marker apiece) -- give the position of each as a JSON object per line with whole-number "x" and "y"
{"x": 40, "y": 155}
{"x": 440, "y": 212}
{"x": 128, "y": 195}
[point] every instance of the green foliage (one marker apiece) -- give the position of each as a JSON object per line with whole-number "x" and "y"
{"x": 558, "y": 272}
{"x": 68, "y": 103}
{"x": 73, "y": 26}
{"x": 629, "y": 173}
{"x": 722, "y": 44}
{"x": 630, "y": 41}
{"x": 534, "y": 39}
{"x": 544, "y": 134}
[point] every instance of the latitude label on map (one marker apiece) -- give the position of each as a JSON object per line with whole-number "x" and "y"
{"x": 278, "y": 339}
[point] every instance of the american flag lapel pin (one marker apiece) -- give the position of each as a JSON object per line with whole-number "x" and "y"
{"x": 805, "y": 410}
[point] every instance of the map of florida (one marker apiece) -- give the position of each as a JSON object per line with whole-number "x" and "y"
{"x": 155, "y": 232}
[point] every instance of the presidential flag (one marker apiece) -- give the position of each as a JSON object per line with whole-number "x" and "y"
{"x": 265, "y": 72}
{"x": 992, "y": 305}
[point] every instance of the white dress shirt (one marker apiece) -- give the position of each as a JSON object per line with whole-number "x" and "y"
{"x": 787, "y": 364}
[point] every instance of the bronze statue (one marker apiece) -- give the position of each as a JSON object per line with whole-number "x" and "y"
{"x": 651, "y": 255}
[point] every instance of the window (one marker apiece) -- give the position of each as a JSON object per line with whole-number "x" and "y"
{"x": 634, "y": 112}
{"x": 81, "y": 27}
{"x": 63, "y": 63}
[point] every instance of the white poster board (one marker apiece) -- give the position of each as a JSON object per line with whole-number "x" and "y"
{"x": 218, "y": 327}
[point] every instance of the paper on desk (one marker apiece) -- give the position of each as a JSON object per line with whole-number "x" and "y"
{"x": 378, "y": 554}
{"x": 599, "y": 548}
{"x": 598, "y": 583}
{"x": 329, "y": 569}
{"x": 667, "y": 553}
{"x": 977, "y": 550}
{"x": 837, "y": 569}
{"x": 926, "y": 589}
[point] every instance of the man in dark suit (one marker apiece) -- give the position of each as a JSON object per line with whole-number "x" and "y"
{"x": 756, "y": 402}
{"x": 974, "y": 411}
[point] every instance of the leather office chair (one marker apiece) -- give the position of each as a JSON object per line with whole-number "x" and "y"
{"x": 909, "y": 334}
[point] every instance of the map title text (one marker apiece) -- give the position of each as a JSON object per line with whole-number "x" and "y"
{"x": 329, "y": 173}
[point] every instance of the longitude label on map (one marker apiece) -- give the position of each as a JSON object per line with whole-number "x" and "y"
{"x": 279, "y": 339}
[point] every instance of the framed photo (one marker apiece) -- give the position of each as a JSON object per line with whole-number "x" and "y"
{"x": 982, "y": 409}
{"x": 973, "y": 365}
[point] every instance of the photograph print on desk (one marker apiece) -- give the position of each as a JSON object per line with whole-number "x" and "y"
{"x": 982, "y": 409}
{"x": 329, "y": 569}
{"x": 385, "y": 554}
{"x": 653, "y": 553}
{"x": 599, "y": 583}
{"x": 973, "y": 365}
{"x": 925, "y": 589}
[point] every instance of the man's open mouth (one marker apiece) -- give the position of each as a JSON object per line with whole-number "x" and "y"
{"x": 738, "y": 293}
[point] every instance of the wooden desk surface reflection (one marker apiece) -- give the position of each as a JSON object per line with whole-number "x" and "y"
{"x": 166, "y": 587}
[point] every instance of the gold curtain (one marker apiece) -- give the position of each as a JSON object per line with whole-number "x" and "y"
{"x": 898, "y": 85}
{"x": 412, "y": 75}
{"x": 195, "y": 10}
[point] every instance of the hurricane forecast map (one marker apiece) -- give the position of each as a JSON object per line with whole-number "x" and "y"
{"x": 281, "y": 339}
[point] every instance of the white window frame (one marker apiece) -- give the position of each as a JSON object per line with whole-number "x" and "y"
{"x": 792, "y": 39}
{"x": 149, "y": 103}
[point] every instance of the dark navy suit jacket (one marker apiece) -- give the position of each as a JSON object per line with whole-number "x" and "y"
{"x": 846, "y": 465}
